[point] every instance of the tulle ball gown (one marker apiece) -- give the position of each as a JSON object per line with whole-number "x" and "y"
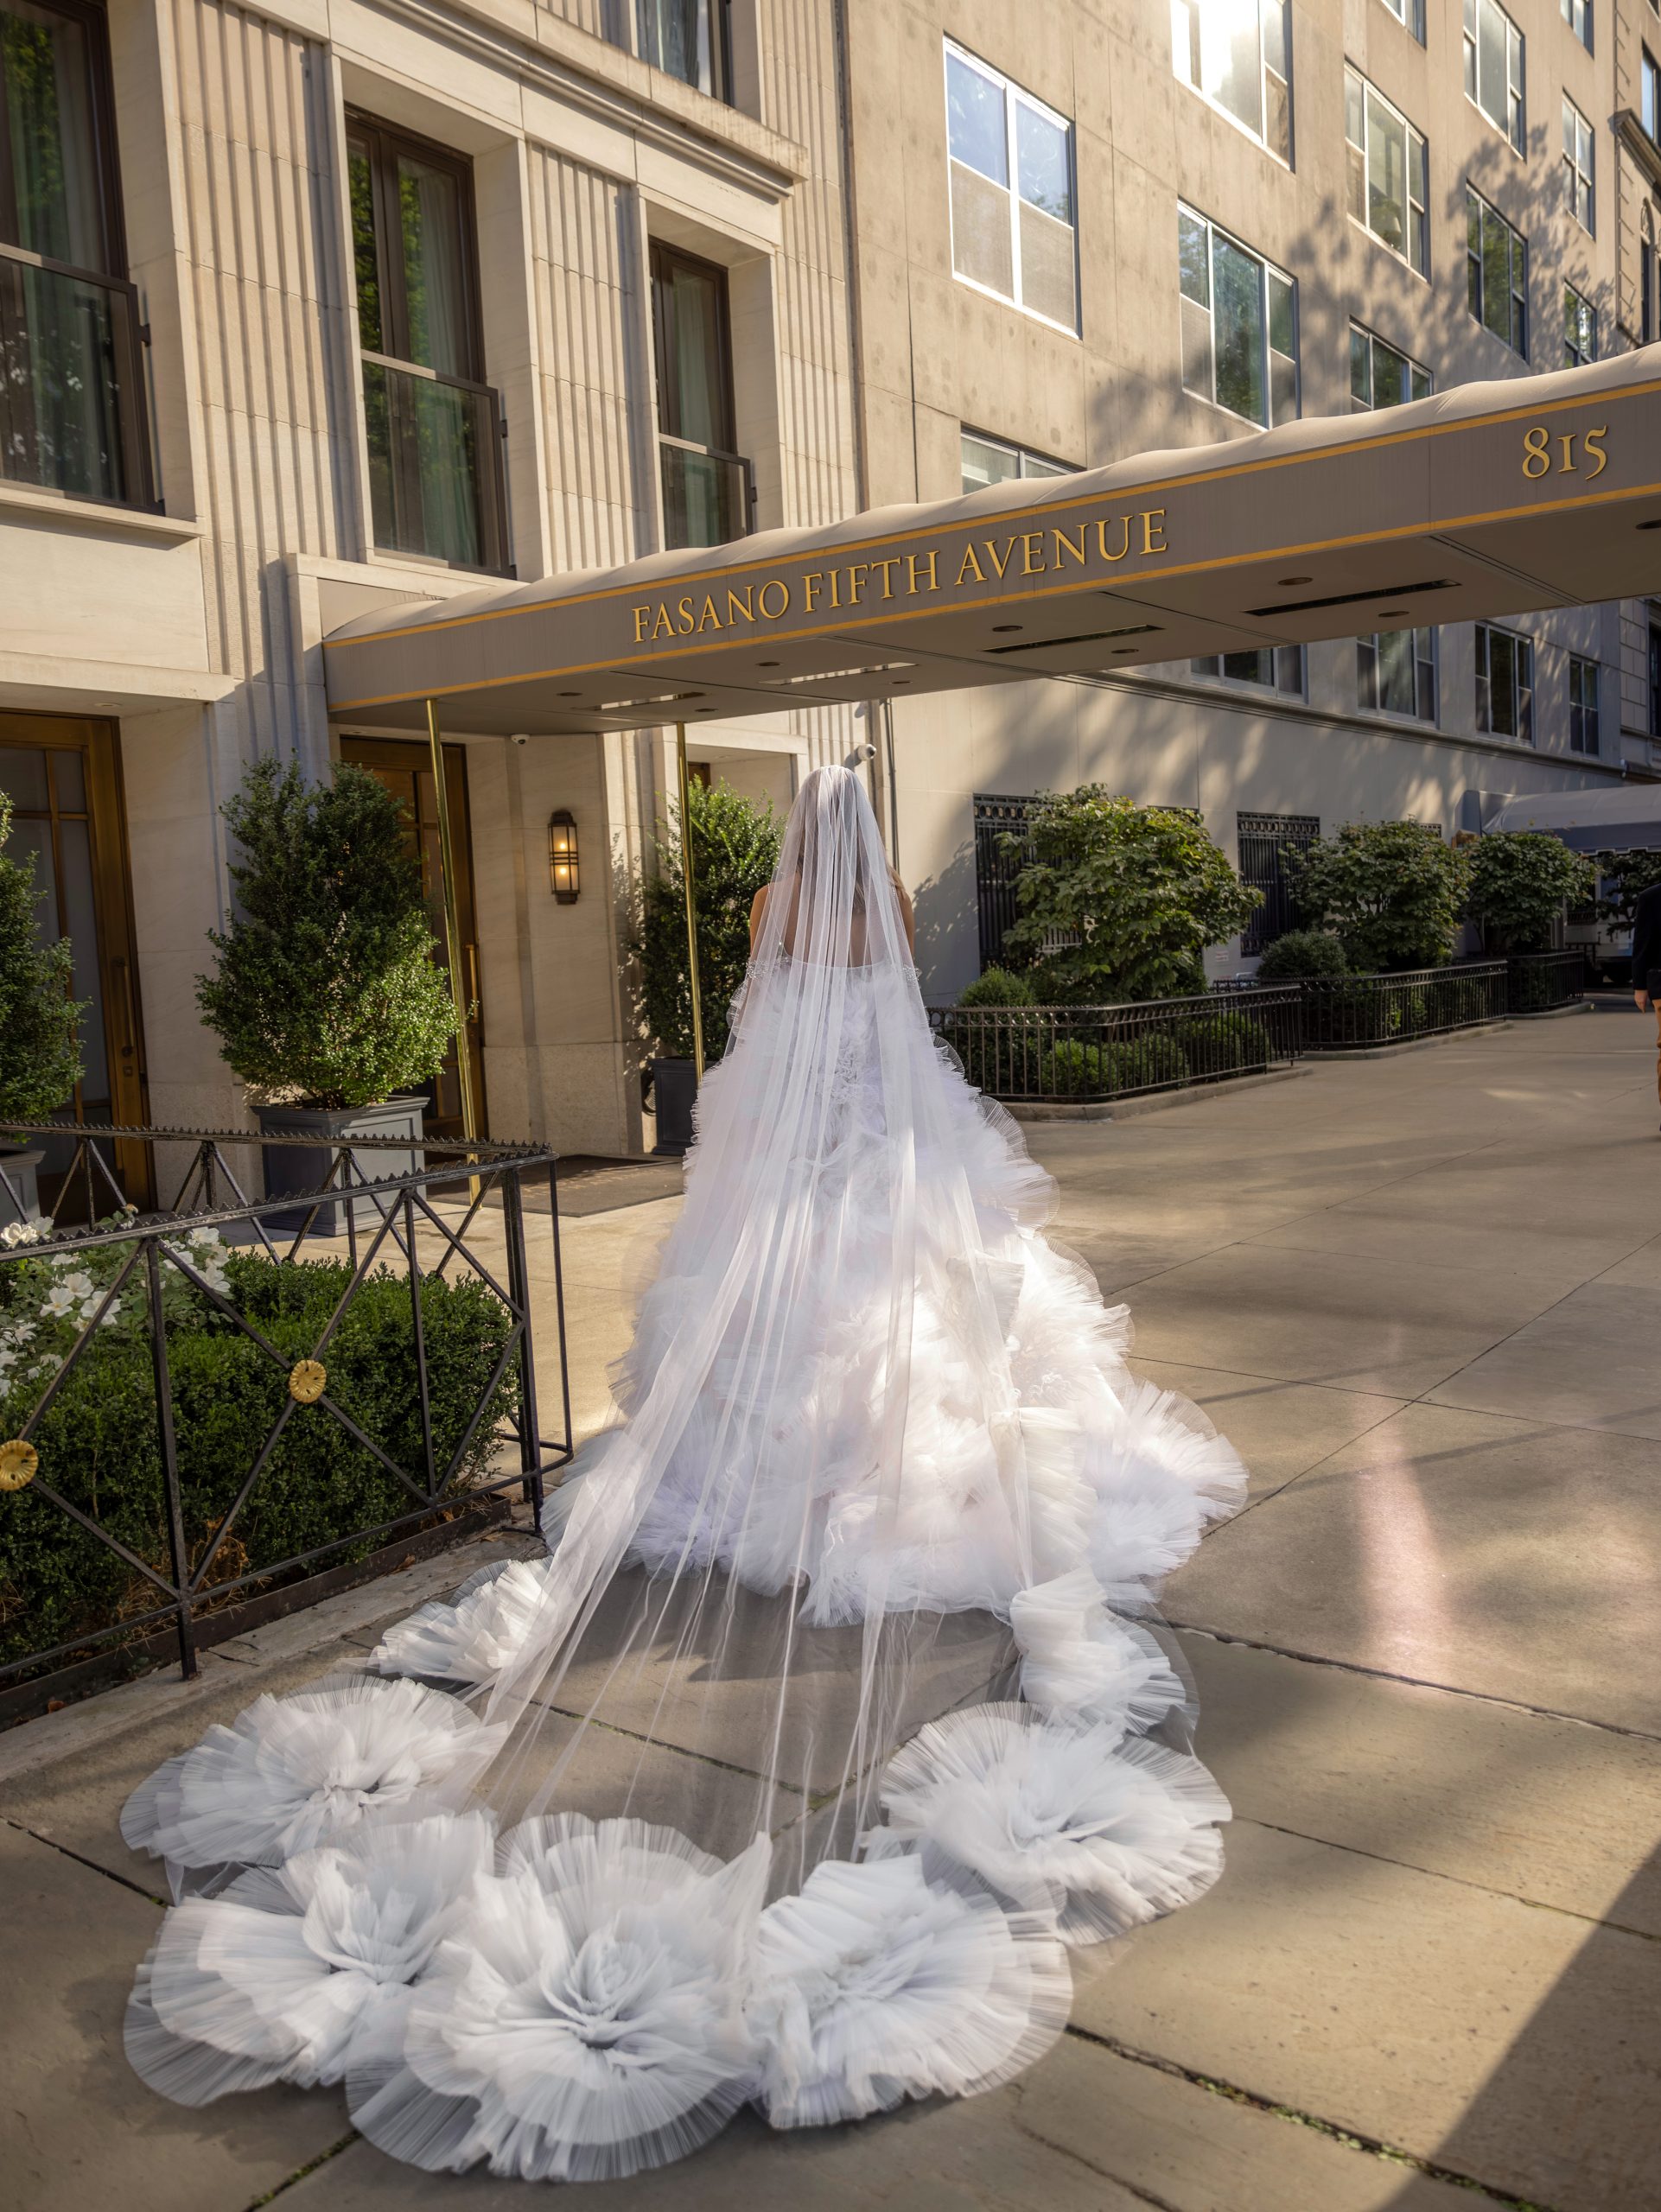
{"x": 836, "y": 1713}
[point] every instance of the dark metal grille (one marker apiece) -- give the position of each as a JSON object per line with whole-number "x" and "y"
{"x": 1086, "y": 1054}
{"x": 996, "y": 816}
{"x": 129, "y": 1272}
{"x": 1264, "y": 839}
{"x": 1347, "y": 1012}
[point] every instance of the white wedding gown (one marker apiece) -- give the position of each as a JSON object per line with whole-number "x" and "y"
{"x": 837, "y": 1710}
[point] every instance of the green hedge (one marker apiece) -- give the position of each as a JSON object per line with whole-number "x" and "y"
{"x": 1225, "y": 1044}
{"x": 97, "y": 1443}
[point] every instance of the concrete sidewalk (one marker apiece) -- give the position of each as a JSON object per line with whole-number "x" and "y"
{"x": 1424, "y": 1298}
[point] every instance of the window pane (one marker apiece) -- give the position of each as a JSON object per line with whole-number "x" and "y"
{"x": 1046, "y": 266}
{"x": 699, "y": 404}
{"x": 429, "y": 445}
{"x": 22, "y": 777}
{"x": 1193, "y": 257}
{"x": 1389, "y": 376}
{"x": 361, "y": 184}
{"x": 1196, "y": 349}
{"x": 984, "y": 463}
{"x": 65, "y": 344}
{"x": 1239, "y": 333}
{"x": 1421, "y": 381}
{"x": 52, "y": 149}
{"x": 976, "y": 130}
{"x": 1041, "y": 160}
{"x": 1386, "y": 175}
{"x": 430, "y": 224}
{"x": 1360, "y": 367}
{"x": 1283, "y": 333}
{"x": 1231, "y": 59}
{"x": 1490, "y": 73}
{"x": 981, "y": 245}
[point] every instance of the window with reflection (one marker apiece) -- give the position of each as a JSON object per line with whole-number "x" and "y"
{"x": 1493, "y": 67}
{"x": 71, "y": 415}
{"x": 707, "y": 483}
{"x": 1395, "y": 673}
{"x": 1496, "y": 273}
{"x": 991, "y": 460}
{"x": 1387, "y": 173}
{"x": 1239, "y": 324}
{"x": 1505, "y": 682}
{"x": 1580, "y": 329}
{"x": 433, "y": 424}
{"x": 1381, "y": 375}
{"x": 691, "y": 40}
{"x": 1238, "y": 55}
{"x": 1010, "y": 164}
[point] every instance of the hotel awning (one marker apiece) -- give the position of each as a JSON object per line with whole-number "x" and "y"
{"x": 1613, "y": 817}
{"x": 1492, "y": 501}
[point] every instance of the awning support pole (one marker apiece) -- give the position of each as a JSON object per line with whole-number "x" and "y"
{"x": 453, "y": 932}
{"x": 691, "y": 902}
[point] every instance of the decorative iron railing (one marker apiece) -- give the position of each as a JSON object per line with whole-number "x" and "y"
{"x": 708, "y": 497}
{"x": 1350, "y": 1013}
{"x": 436, "y": 481}
{"x": 1537, "y": 983}
{"x": 1086, "y": 1055}
{"x": 194, "y": 1405}
{"x": 71, "y": 385}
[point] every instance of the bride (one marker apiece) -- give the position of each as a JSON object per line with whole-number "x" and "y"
{"x": 837, "y": 1711}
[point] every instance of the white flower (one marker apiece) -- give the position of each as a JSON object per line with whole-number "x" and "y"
{"x": 586, "y": 2020}
{"x": 78, "y": 1284}
{"x": 290, "y": 1773}
{"x": 293, "y": 1973}
{"x": 894, "y": 1979}
{"x": 1058, "y": 1816}
{"x": 59, "y": 1299}
{"x": 22, "y": 1232}
{"x": 485, "y": 1627}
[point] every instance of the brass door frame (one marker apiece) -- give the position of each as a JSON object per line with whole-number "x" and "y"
{"x": 118, "y": 982}
{"x": 410, "y": 756}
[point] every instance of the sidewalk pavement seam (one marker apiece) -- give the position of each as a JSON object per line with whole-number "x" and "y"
{"x": 91, "y": 1864}
{"x": 1372, "y": 2145}
{"x": 1440, "y": 1874}
{"x": 1408, "y": 1681}
{"x": 300, "y": 2173}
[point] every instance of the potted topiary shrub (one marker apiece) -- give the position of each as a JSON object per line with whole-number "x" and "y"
{"x": 325, "y": 996}
{"x": 41, "y": 1062}
{"x": 734, "y": 851}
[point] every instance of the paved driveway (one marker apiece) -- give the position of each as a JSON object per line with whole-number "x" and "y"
{"x": 1424, "y": 1297}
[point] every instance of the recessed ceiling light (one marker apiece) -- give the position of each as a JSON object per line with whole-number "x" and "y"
{"x": 899, "y": 680}
{"x": 767, "y": 664}
{"x": 1006, "y": 625}
{"x": 1120, "y": 650}
{"x": 1656, "y": 525}
{"x": 569, "y": 695}
{"x": 1297, "y": 580}
{"x": 1386, "y": 613}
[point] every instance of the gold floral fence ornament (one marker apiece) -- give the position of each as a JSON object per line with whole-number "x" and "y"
{"x": 308, "y": 1379}
{"x": 18, "y": 1462}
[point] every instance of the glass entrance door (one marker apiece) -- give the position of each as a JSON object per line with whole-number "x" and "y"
{"x": 406, "y": 771}
{"x": 63, "y": 779}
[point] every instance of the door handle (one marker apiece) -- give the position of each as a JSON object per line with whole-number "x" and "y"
{"x": 473, "y": 981}
{"x": 122, "y": 976}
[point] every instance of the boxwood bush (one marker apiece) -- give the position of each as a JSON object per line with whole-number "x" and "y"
{"x": 97, "y": 1443}
{"x": 1225, "y": 1044}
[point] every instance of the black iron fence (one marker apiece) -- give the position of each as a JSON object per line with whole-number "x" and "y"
{"x": 1537, "y": 983}
{"x": 1352, "y": 1013}
{"x": 1085, "y": 1055}
{"x": 195, "y": 1406}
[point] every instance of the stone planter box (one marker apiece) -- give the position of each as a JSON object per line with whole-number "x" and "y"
{"x": 301, "y": 1169}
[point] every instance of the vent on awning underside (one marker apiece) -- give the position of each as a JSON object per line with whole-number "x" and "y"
{"x": 1352, "y": 598}
{"x": 1084, "y": 638}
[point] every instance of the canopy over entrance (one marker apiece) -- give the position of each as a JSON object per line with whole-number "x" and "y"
{"x": 1613, "y": 818}
{"x": 1491, "y": 500}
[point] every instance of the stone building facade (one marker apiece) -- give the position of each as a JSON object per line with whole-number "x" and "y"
{"x": 311, "y": 308}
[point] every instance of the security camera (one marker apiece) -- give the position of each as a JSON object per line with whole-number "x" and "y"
{"x": 521, "y": 737}
{"x": 860, "y": 754}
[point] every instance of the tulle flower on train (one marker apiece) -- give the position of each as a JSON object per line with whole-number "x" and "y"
{"x": 1078, "y": 1661}
{"x": 587, "y": 2019}
{"x": 293, "y": 1772}
{"x": 885, "y": 1980}
{"x": 473, "y": 1636}
{"x": 1057, "y": 1817}
{"x": 290, "y": 1971}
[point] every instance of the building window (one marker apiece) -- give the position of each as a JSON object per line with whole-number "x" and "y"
{"x": 1497, "y": 273}
{"x": 1578, "y": 166}
{"x": 1582, "y": 704}
{"x": 1237, "y": 53}
{"x": 1014, "y": 239}
{"x": 1577, "y": 13}
{"x": 1380, "y": 376}
{"x": 1410, "y": 14}
{"x": 1649, "y": 282}
{"x": 71, "y": 415}
{"x": 1580, "y": 329}
{"x": 1395, "y": 673}
{"x": 1275, "y": 668}
{"x": 989, "y": 460}
{"x": 1240, "y": 324}
{"x": 434, "y": 425}
{"x": 691, "y": 40}
{"x": 1263, "y": 840}
{"x": 1650, "y": 93}
{"x": 1505, "y": 682}
{"x": 1655, "y": 681}
{"x": 707, "y": 484}
{"x": 1386, "y": 173}
{"x": 1493, "y": 66}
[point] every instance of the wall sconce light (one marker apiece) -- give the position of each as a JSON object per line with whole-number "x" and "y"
{"x": 564, "y": 879}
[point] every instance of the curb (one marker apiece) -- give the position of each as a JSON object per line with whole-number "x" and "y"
{"x": 1188, "y": 1094}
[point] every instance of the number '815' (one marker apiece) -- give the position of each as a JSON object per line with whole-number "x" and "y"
{"x": 1538, "y": 459}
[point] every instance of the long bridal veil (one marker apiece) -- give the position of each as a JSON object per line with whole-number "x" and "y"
{"x": 837, "y": 1711}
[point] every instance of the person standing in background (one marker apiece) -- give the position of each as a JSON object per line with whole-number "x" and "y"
{"x": 1646, "y": 962}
